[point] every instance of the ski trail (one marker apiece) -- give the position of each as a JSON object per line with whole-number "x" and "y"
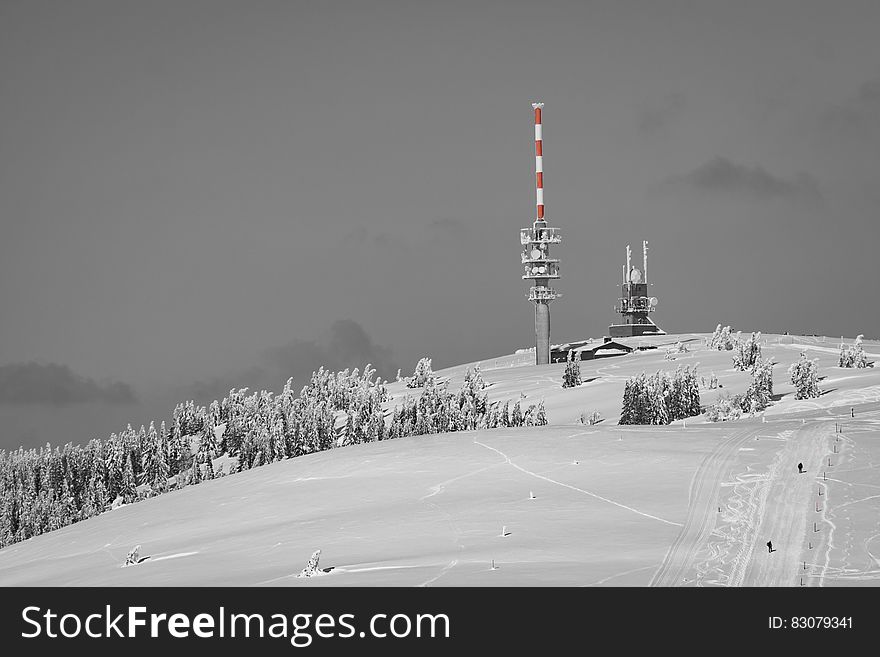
{"x": 372, "y": 568}
{"x": 173, "y": 556}
{"x": 439, "y": 488}
{"x": 446, "y": 569}
{"x": 575, "y": 488}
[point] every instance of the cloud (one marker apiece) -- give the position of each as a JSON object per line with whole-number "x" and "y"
{"x": 218, "y": 387}
{"x": 345, "y": 345}
{"x": 656, "y": 118}
{"x": 721, "y": 176}
{"x": 858, "y": 117}
{"x": 57, "y": 385}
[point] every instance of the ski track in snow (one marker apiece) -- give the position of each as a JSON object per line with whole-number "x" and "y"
{"x": 172, "y": 556}
{"x": 439, "y": 488}
{"x": 575, "y": 488}
{"x": 446, "y": 568}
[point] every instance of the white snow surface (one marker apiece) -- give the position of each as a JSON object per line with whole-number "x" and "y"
{"x": 579, "y": 505}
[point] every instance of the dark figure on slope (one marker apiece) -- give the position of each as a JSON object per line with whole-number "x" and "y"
{"x": 800, "y": 468}
{"x": 770, "y": 547}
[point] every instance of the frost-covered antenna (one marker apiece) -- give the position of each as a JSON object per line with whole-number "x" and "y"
{"x": 538, "y": 264}
{"x": 635, "y": 304}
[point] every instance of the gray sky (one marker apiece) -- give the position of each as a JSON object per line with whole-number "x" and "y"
{"x": 195, "y": 195}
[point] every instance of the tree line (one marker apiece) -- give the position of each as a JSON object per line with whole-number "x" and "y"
{"x": 48, "y": 488}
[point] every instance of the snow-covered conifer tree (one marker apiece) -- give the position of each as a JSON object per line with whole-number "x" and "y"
{"x": 805, "y": 378}
{"x": 572, "y": 375}
{"x": 154, "y": 462}
{"x": 422, "y": 375}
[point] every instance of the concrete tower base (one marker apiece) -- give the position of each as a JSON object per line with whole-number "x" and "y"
{"x": 542, "y": 334}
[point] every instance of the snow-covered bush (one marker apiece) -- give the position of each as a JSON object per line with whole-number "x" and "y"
{"x": 571, "y": 378}
{"x": 422, "y": 376}
{"x": 437, "y": 410}
{"x": 805, "y": 378}
{"x": 721, "y": 339}
{"x": 590, "y": 418}
{"x": 756, "y": 397}
{"x": 853, "y": 356}
{"x": 473, "y": 378}
{"x": 725, "y": 408}
{"x": 760, "y": 391}
{"x": 746, "y": 352}
{"x": 711, "y": 383}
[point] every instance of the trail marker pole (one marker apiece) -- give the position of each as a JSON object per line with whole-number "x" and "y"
{"x": 814, "y": 527}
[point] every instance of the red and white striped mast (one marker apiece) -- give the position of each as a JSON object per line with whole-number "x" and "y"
{"x": 536, "y": 241}
{"x": 539, "y": 160}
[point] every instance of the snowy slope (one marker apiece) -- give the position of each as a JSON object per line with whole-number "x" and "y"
{"x": 680, "y": 505}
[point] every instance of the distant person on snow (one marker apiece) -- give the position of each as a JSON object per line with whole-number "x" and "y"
{"x": 800, "y": 468}
{"x": 769, "y": 547}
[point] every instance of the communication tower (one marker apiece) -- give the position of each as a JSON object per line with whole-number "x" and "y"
{"x": 635, "y": 305}
{"x": 538, "y": 264}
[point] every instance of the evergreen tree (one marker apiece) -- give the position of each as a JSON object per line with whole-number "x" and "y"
{"x": 721, "y": 339}
{"x": 209, "y": 469}
{"x": 715, "y": 339}
{"x": 195, "y": 472}
{"x": 805, "y": 378}
{"x": 422, "y": 376}
{"x": 572, "y": 375}
{"x": 853, "y": 356}
{"x": 760, "y": 391}
{"x": 746, "y": 354}
{"x": 660, "y": 398}
{"x": 128, "y": 489}
{"x": 516, "y": 416}
{"x": 154, "y": 462}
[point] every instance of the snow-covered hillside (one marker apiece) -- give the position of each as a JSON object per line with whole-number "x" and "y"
{"x": 567, "y": 504}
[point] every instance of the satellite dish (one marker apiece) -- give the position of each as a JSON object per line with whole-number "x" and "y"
{"x": 541, "y": 269}
{"x": 653, "y": 301}
{"x": 536, "y": 254}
